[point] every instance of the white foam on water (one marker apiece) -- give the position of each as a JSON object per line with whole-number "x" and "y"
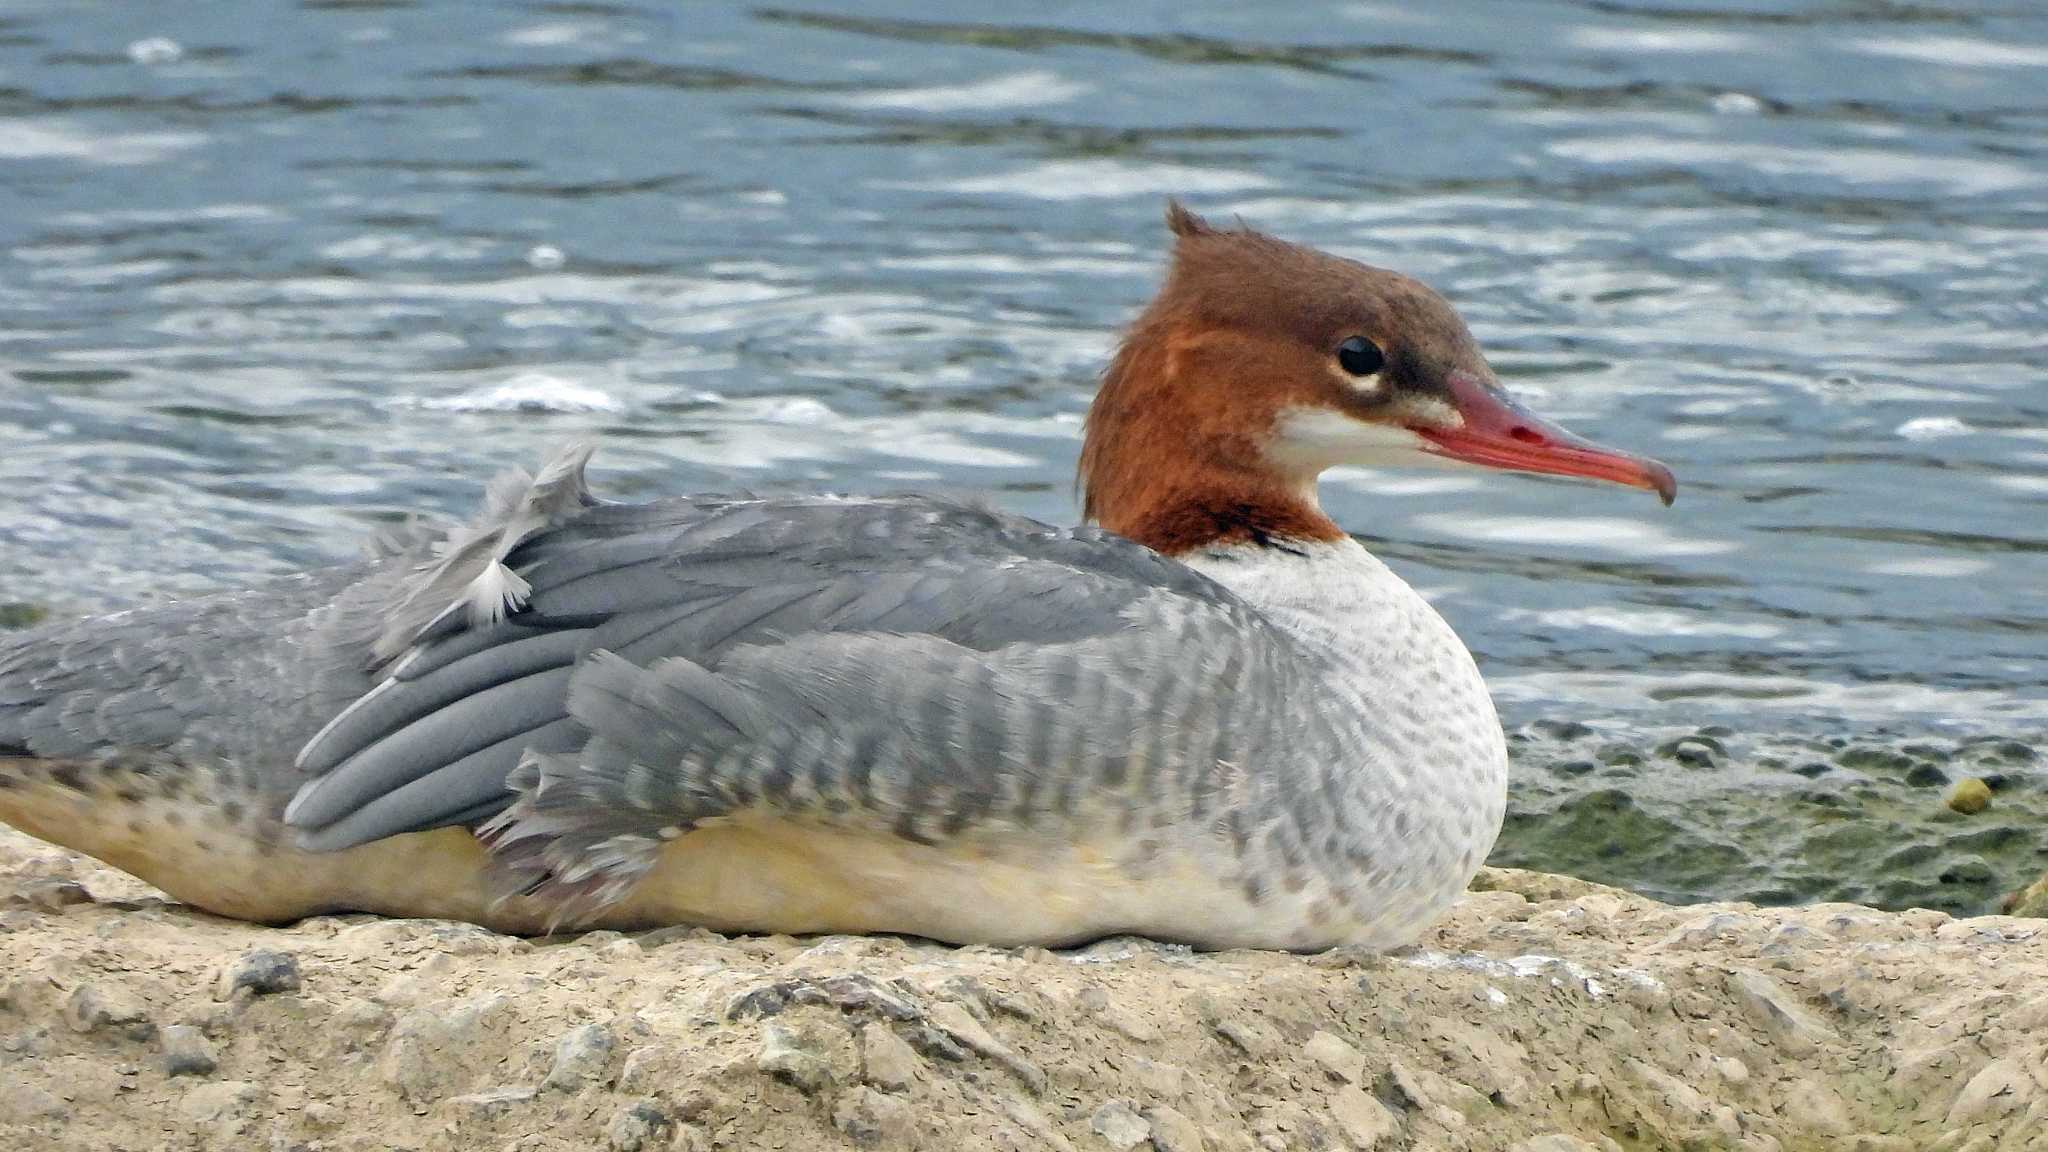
{"x": 58, "y": 140}
{"x": 1935, "y": 567}
{"x": 940, "y": 447}
{"x": 1100, "y": 179}
{"x": 204, "y": 213}
{"x": 1933, "y": 428}
{"x": 1736, "y": 104}
{"x": 1652, "y": 622}
{"x": 155, "y": 50}
{"x": 400, "y": 247}
{"x": 1612, "y": 534}
{"x": 1686, "y": 40}
{"x": 792, "y": 410}
{"x": 551, "y": 35}
{"x": 1010, "y": 264}
{"x": 529, "y": 392}
{"x": 1956, "y": 51}
{"x": 1016, "y": 90}
{"x": 1967, "y": 176}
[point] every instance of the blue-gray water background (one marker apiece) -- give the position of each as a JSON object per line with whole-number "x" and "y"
{"x": 272, "y": 275}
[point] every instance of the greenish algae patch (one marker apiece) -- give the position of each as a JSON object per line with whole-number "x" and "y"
{"x": 18, "y": 614}
{"x": 1774, "y": 819}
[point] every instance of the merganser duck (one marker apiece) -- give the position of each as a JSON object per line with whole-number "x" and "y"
{"x": 1215, "y": 718}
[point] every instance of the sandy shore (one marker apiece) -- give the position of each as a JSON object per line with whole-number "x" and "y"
{"x": 1544, "y": 1015}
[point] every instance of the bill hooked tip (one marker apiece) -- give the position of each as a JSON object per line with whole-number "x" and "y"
{"x": 1661, "y": 481}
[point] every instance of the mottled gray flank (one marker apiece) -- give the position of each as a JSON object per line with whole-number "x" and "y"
{"x": 239, "y": 679}
{"x": 1315, "y": 740}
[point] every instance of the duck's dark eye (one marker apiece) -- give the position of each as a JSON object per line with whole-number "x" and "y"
{"x": 1360, "y": 357}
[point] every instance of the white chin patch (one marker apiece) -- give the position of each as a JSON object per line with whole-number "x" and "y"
{"x": 1312, "y": 439}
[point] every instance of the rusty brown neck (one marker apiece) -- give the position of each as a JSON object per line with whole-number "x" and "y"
{"x": 1178, "y": 464}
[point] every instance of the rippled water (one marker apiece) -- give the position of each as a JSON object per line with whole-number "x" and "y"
{"x": 268, "y": 277}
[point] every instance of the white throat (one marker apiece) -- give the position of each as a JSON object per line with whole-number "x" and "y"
{"x": 1338, "y": 599}
{"x": 1308, "y": 441}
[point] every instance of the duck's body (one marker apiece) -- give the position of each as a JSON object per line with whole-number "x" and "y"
{"x": 899, "y": 715}
{"x": 1227, "y": 725}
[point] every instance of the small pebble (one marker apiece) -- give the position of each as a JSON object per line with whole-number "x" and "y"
{"x": 489, "y": 1102}
{"x": 886, "y": 1061}
{"x": 1173, "y": 1131}
{"x": 1926, "y": 776}
{"x": 1365, "y": 1121}
{"x": 1337, "y": 1057}
{"x": 639, "y": 1125}
{"x": 785, "y": 1055}
{"x": 1693, "y": 753}
{"x": 219, "y": 1100}
{"x": 91, "y": 1008}
{"x": 960, "y": 1026}
{"x": 873, "y": 1119}
{"x": 582, "y": 1056}
{"x": 1969, "y": 796}
{"x": 1969, "y": 870}
{"x": 1562, "y": 729}
{"x": 186, "y": 1051}
{"x": 2028, "y": 901}
{"x": 52, "y": 895}
{"x": 263, "y": 972}
{"x": 1120, "y": 1125}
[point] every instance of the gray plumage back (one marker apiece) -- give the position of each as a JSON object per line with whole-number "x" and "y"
{"x": 240, "y": 676}
{"x": 402, "y": 692}
{"x": 694, "y": 582}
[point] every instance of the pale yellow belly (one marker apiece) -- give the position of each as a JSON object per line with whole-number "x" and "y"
{"x": 760, "y": 876}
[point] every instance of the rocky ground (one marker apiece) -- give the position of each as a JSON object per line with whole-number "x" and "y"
{"x": 1544, "y": 1015}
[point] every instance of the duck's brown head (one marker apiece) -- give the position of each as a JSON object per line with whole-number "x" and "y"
{"x": 1261, "y": 363}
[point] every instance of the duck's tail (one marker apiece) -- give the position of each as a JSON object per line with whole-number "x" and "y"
{"x": 201, "y": 836}
{"x": 180, "y": 827}
{"x": 91, "y": 760}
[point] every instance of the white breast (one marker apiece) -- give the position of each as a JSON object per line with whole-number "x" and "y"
{"x": 1430, "y": 765}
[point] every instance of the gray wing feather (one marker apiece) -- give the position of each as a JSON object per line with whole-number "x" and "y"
{"x": 239, "y": 678}
{"x": 441, "y": 738}
{"x": 914, "y": 736}
{"x": 468, "y": 790}
{"x": 695, "y": 581}
{"x": 396, "y": 703}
